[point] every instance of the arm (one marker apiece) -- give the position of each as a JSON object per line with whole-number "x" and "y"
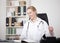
{"x": 46, "y": 29}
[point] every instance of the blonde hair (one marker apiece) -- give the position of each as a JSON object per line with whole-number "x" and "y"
{"x": 32, "y": 8}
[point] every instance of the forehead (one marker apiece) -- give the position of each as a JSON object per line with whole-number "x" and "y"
{"x": 29, "y": 9}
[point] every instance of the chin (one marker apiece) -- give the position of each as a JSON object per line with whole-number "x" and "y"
{"x": 31, "y": 18}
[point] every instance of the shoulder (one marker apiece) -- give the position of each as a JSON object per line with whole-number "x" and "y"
{"x": 41, "y": 20}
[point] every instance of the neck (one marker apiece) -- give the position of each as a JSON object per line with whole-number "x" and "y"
{"x": 33, "y": 20}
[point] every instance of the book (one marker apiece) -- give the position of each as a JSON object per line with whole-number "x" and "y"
{"x": 24, "y": 10}
{"x": 9, "y": 31}
{"x": 19, "y": 10}
{"x": 6, "y": 30}
{"x": 7, "y": 21}
{"x": 14, "y": 30}
{"x": 13, "y": 20}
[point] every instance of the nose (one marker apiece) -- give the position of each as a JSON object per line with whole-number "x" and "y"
{"x": 30, "y": 15}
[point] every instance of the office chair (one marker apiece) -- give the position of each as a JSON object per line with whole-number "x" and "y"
{"x": 44, "y": 17}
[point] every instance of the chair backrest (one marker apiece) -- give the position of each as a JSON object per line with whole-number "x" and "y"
{"x": 43, "y": 16}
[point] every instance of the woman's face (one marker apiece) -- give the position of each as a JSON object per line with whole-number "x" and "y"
{"x": 31, "y": 13}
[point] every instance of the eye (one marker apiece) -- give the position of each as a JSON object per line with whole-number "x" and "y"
{"x": 29, "y": 13}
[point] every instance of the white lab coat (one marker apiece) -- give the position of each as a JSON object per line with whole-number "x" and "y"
{"x": 34, "y": 31}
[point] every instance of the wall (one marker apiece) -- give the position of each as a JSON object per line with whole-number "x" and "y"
{"x": 52, "y": 8}
{"x": 2, "y": 19}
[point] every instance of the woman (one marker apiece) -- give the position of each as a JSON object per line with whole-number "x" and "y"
{"x": 34, "y": 28}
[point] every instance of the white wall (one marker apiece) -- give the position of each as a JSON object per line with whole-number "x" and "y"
{"x": 52, "y": 8}
{"x": 2, "y": 19}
